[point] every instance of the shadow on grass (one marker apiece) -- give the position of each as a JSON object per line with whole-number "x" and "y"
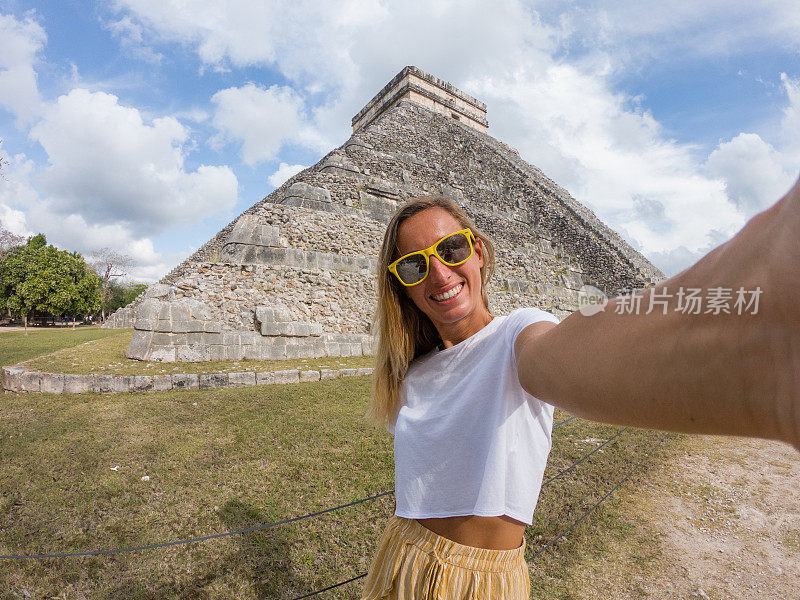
{"x": 260, "y": 566}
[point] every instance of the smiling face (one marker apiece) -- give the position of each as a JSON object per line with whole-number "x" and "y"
{"x": 449, "y": 296}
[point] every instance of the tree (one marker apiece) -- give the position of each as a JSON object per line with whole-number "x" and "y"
{"x": 109, "y": 263}
{"x": 121, "y": 294}
{"x": 9, "y": 240}
{"x": 38, "y": 277}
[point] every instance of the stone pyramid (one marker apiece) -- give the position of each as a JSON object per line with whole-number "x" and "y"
{"x": 294, "y": 275}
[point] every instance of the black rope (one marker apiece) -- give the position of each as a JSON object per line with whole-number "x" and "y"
{"x": 330, "y": 587}
{"x": 563, "y": 533}
{"x": 200, "y": 539}
{"x": 209, "y": 537}
{"x": 575, "y": 464}
{"x": 591, "y": 510}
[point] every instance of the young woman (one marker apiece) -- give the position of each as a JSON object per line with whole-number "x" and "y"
{"x": 470, "y": 444}
{"x": 469, "y": 396}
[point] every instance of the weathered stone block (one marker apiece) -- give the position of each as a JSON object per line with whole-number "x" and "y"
{"x": 31, "y": 381}
{"x": 194, "y": 338}
{"x": 162, "y": 382}
{"x": 159, "y": 290}
{"x": 53, "y": 383}
{"x": 123, "y": 383}
{"x": 142, "y": 383}
{"x": 195, "y": 326}
{"x": 163, "y": 339}
{"x": 248, "y": 338}
{"x": 180, "y": 326}
{"x": 217, "y": 352}
{"x": 164, "y": 311}
{"x": 213, "y": 327}
{"x": 255, "y": 352}
{"x": 213, "y": 380}
{"x": 266, "y": 378}
{"x": 309, "y": 376}
{"x": 139, "y": 346}
{"x": 348, "y": 372}
{"x": 179, "y": 311}
{"x": 212, "y": 338}
{"x": 287, "y": 376}
{"x": 185, "y": 381}
{"x": 329, "y": 374}
{"x": 77, "y": 384}
{"x": 365, "y": 371}
{"x": 305, "y": 191}
{"x": 12, "y": 378}
{"x": 315, "y": 329}
{"x": 293, "y": 350}
{"x": 163, "y": 354}
{"x": 275, "y": 329}
{"x": 235, "y": 352}
{"x": 190, "y": 353}
{"x": 102, "y": 384}
{"x": 231, "y": 338}
{"x": 242, "y": 378}
{"x": 163, "y": 326}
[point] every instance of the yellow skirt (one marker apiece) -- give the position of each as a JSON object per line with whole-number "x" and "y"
{"x": 414, "y": 563}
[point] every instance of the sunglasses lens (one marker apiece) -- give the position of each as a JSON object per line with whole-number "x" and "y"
{"x": 412, "y": 269}
{"x": 454, "y": 249}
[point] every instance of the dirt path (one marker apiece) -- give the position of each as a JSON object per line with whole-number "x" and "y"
{"x": 731, "y": 524}
{"x": 720, "y": 520}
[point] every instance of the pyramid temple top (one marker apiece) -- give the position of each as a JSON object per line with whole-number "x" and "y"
{"x": 431, "y": 92}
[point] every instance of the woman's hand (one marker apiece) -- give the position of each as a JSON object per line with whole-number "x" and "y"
{"x": 705, "y": 373}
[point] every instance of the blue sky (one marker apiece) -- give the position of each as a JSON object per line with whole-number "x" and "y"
{"x": 146, "y": 125}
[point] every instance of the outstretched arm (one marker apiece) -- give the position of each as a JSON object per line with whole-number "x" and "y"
{"x": 702, "y": 373}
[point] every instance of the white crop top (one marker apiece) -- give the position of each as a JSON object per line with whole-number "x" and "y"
{"x": 468, "y": 439}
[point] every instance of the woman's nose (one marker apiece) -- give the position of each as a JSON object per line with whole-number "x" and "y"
{"x": 438, "y": 270}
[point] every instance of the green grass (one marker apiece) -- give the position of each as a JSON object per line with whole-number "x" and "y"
{"x": 230, "y": 459}
{"x": 107, "y": 356}
{"x": 16, "y": 346}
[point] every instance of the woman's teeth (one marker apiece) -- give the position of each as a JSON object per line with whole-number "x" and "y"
{"x": 449, "y": 294}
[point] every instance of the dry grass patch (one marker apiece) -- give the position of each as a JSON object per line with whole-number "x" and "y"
{"x": 107, "y": 356}
{"x": 15, "y": 346}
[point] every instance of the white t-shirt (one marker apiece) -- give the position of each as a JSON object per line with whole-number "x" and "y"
{"x": 468, "y": 439}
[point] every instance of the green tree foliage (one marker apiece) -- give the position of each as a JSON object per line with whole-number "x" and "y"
{"x": 121, "y": 294}
{"x": 41, "y": 278}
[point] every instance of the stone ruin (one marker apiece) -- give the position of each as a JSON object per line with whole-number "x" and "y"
{"x": 294, "y": 275}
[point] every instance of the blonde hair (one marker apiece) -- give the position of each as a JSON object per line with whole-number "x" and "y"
{"x": 404, "y": 331}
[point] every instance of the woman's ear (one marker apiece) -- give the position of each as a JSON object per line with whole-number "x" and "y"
{"x": 479, "y": 251}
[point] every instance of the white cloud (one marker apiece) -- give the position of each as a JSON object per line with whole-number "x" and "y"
{"x": 652, "y": 29}
{"x": 109, "y": 166}
{"x": 755, "y": 172}
{"x": 131, "y": 36}
{"x": 752, "y": 170}
{"x": 307, "y": 40}
{"x": 283, "y": 173}
{"x": 22, "y": 41}
{"x": 263, "y": 121}
{"x": 24, "y": 212}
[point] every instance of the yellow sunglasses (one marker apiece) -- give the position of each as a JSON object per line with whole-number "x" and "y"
{"x": 452, "y": 250}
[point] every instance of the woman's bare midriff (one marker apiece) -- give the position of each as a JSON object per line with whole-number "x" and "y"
{"x": 495, "y": 533}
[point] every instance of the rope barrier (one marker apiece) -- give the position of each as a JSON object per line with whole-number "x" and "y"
{"x": 575, "y": 464}
{"x": 567, "y": 470}
{"x": 200, "y": 539}
{"x": 209, "y": 537}
{"x": 330, "y": 587}
{"x": 591, "y": 510}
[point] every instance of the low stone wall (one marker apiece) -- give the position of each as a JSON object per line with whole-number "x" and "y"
{"x": 19, "y": 379}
